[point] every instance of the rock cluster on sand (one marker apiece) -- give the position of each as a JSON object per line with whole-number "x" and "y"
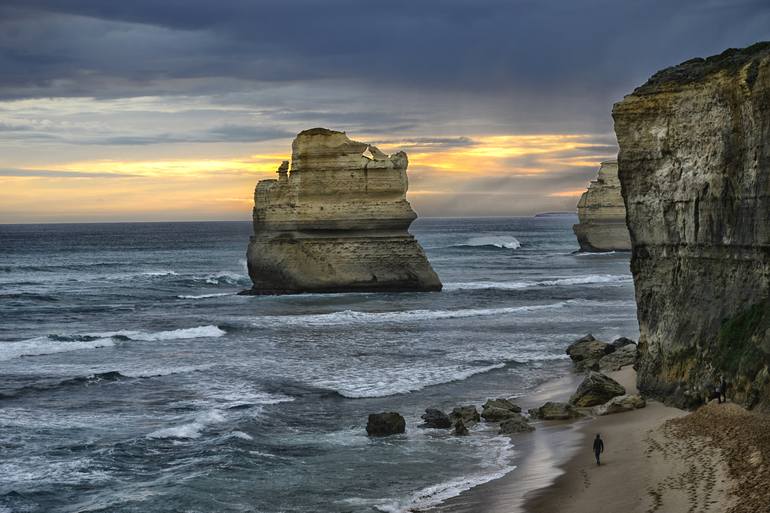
{"x": 497, "y": 410}
{"x": 620, "y": 404}
{"x": 555, "y": 411}
{"x": 336, "y": 220}
{"x": 695, "y": 171}
{"x": 385, "y": 424}
{"x": 588, "y": 353}
{"x": 602, "y": 214}
{"x": 596, "y": 389}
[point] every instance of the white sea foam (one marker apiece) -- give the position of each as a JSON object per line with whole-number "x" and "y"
{"x": 182, "y": 333}
{"x": 205, "y": 296}
{"x": 36, "y": 470}
{"x": 399, "y": 381}
{"x": 51, "y": 344}
{"x": 498, "y": 241}
{"x": 190, "y": 429}
{"x": 606, "y": 279}
{"x": 241, "y": 435}
{"x": 358, "y": 317}
{"x": 45, "y": 345}
{"x": 222, "y": 278}
{"x": 432, "y": 496}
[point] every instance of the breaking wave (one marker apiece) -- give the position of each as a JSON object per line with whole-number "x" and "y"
{"x": 492, "y": 241}
{"x": 51, "y": 344}
{"x": 358, "y": 317}
{"x": 607, "y": 279}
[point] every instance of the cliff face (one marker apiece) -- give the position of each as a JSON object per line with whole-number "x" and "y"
{"x": 336, "y": 221}
{"x": 602, "y": 214}
{"x": 695, "y": 171}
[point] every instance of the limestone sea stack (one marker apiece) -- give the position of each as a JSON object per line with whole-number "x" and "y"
{"x": 337, "y": 220}
{"x": 695, "y": 168}
{"x": 602, "y": 214}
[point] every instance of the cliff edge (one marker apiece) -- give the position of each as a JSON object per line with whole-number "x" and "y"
{"x": 694, "y": 165}
{"x": 336, "y": 221}
{"x": 602, "y": 214}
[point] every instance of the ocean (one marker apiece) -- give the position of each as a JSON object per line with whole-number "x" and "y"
{"x": 133, "y": 378}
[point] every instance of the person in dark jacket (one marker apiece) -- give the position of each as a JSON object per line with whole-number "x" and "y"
{"x": 598, "y": 448}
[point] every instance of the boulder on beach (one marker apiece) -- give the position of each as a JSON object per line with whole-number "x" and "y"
{"x": 496, "y": 410}
{"x": 555, "y": 411}
{"x": 460, "y": 429}
{"x": 621, "y": 357}
{"x": 596, "y": 389}
{"x": 436, "y": 419}
{"x": 518, "y": 423}
{"x": 620, "y": 404}
{"x": 468, "y": 414}
{"x": 622, "y": 342}
{"x": 586, "y": 352}
{"x": 385, "y": 424}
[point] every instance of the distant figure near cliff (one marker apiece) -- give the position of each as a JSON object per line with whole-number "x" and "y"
{"x": 336, "y": 220}
{"x": 602, "y": 214}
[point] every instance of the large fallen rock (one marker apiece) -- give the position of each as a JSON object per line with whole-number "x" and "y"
{"x": 496, "y": 410}
{"x": 467, "y": 414}
{"x": 586, "y": 352}
{"x": 694, "y": 144}
{"x": 618, "y": 359}
{"x": 602, "y": 214}
{"x": 385, "y": 424}
{"x": 555, "y": 411}
{"x": 336, "y": 220}
{"x": 620, "y": 404}
{"x": 596, "y": 389}
{"x": 436, "y": 419}
{"x": 518, "y": 423}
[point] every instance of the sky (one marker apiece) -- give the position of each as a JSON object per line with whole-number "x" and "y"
{"x": 158, "y": 111}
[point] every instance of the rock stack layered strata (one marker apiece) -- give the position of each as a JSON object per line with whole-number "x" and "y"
{"x": 336, "y": 221}
{"x": 602, "y": 214}
{"x": 695, "y": 168}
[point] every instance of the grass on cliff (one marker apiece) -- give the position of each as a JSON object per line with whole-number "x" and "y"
{"x": 738, "y": 344}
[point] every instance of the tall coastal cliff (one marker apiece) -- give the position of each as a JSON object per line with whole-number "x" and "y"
{"x": 602, "y": 214}
{"x": 336, "y": 221}
{"x": 695, "y": 173}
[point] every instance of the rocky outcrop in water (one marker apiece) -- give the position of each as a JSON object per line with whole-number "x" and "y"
{"x": 695, "y": 167}
{"x": 385, "y": 424}
{"x": 336, "y": 220}
{"x": 602, "y": 214}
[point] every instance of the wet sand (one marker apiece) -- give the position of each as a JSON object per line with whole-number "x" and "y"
{"x": 648, "y": 466}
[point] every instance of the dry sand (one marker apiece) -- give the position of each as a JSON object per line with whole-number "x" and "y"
{"x": 656, "y": 459}
{"x": 647, "y": 467}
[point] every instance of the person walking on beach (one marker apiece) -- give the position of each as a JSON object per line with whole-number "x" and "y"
{"x": 598, "y": 448}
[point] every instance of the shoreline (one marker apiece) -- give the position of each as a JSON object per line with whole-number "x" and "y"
{"x": 646, "y": 466}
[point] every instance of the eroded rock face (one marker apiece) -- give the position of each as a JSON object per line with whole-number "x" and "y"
{"x": 695, "y": 167}
{"x": 336, "y": 220}
{"x": 602, "y": 214}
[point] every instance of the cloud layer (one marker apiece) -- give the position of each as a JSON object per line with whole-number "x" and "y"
{"x": 86, "y": 82}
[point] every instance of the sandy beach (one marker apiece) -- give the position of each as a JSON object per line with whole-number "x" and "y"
{"x": 657, "y": 459}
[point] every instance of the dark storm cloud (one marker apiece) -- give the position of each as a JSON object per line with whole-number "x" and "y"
{"x": 591, "y": 49}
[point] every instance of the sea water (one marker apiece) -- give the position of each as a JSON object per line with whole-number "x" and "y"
{"x": 133, "y": 378}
